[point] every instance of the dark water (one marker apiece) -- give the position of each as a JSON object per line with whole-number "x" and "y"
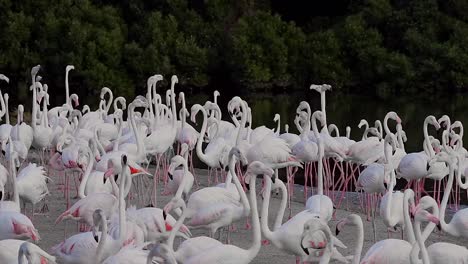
{"x": 347, "y": 110}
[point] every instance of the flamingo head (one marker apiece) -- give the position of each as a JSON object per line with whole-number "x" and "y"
{"x": 256, "y": 168}
{"x": 69, "y": 68}
{"x": 174, "y": 203}
{"x": 444, "y": 121}
{"x": 98, "y": 217}
{"x": 160, "y": 253}
{"x": 313, "y": 235}
{"x": 424, "y": 216}
{"x": 176, "y": 161}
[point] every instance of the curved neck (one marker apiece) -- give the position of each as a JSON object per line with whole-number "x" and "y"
{"x": 257, "y": 236}
{"x": 264, "y": 214}
{"x": 184, "y": 180}
{"x": 447, "y": 191}
{"x": 109, "y": 102}
{"x": 175, "y": 229}
{"x": 242, "y": 123}
{"x": 84, "y": 180}
{"x": 200, "y": 153}
{"x": 359, "y": 244}
{"x": 419, "y": 246}
{"x": 314, "y": 124}
{"x": 463, "y": 185}
{"x": 240, "y": 189}
{"x": 366, "y": 131}
{"x": 2, "y": 103}
{"x": 102, "y": 239}
{"x": 390, "y": 219}
{"x": 139, "y": 141}
{"x": 156, "y": 104}
{"x": 283, "y": 204}
{"x": 278, "y": 126}
{"x": 98, "y": 143}
{"x": 407, "y": 200}
{"x": 401, "y": 144}
{"x": 429, "y": 151}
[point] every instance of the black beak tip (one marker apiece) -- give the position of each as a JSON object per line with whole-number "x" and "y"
{"x": 96, "y": 239}
{"x": 337, "y": 231}
{"x": 170, "y": 176}
{"x": 305, "y": 250}
{"x": 247, "y": 186}
{"x": 385, "y": 185}
{"x": 1, "y": 195}
{"x": 439, "y": 227}
{"x": 3, "y": 152}
{"x": 104, "y": 179}
{"x": 273, "y": 179}
{"x": 164, "y": 215}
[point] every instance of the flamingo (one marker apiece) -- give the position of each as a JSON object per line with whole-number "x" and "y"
{"x": 177, "y": 176}
{"x": 229, "y": 253}
{"x": 93, "y": 247}
{"x": 440, "y": 252}
{"x": 22, "y": 131}
{"x": 84, "y": 208}
{"x": 5, "y": 129}
{"x": 215, "y": 207}
{"x": 13, "y": 251}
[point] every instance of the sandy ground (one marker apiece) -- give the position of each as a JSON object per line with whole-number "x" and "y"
{"x": 52, "y": 234}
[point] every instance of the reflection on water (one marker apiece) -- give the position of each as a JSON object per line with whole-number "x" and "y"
{"x": 347, "y": 109}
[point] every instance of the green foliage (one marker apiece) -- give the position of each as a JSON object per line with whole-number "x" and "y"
{"x": 377, "y": 46}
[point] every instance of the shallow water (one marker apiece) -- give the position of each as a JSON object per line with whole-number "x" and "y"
{"x": 348, "y": 109}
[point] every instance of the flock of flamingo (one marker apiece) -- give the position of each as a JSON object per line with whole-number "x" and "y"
{"x": 108, "y": 159}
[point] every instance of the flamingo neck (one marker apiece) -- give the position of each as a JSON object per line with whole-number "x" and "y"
{"x": 419, "y": 246}
{"x": 407, "y": 198}
{"x": 140, "y": 146}
{"x": 366, "y": 131}
{"x": 257, "y": 236}
{"x": 89, "y": 167}
{"x": 34, "y": 105}
{"x": 323, "y": 106}
{"x": 428, "y": 148}
{"x": 320, "y": 166}
{"x": 242, "y": 123}
{"x": 67, "y": 91}
{"x": 448, "y": 189}
{"x": 243, "y": 197}
{"x": 175, "y": 229}
{"x": 278, "y": 126}
{"x": 16, "y": 199}
{"x": 200, "y": 153}
{"x": 264, "y": 214}
{"x": 7, "y": 112}
{"x": 122, "y": 216}
{"x": 184, "y": 180}
{"x": 359, "y": 244}
{"x": 283, "y": 204}
{"x": 102, "y": 239}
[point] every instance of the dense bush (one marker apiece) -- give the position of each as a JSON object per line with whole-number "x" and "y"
{"x": 373, "y": 46}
